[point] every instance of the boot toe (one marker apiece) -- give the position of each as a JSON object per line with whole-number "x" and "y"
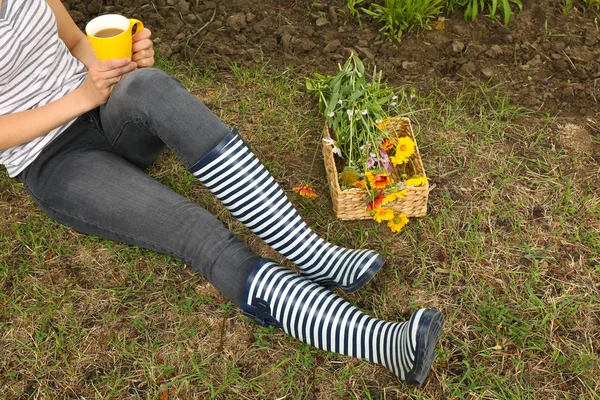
{"x": 428, "y": 334}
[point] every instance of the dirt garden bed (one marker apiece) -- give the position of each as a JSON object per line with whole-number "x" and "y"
{"x": 545, "y": 60}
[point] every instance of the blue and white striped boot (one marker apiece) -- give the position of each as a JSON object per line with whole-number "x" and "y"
{"x": 236, "y": 177}
{"x": 277, "y": 296}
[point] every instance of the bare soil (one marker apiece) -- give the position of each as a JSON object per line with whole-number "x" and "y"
{"x": 546, "y": 60}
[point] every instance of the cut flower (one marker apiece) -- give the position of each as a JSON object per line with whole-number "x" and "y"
{"x": 379, "y": 180}
{"x": 305, "y": 191}
{"x": 383, "y": 214}
{"x": 376, "y": 203}
{"x": 405, "y": 148}
{"x": 398, "y": 222}
{"x": 417, "y": 181}
{"x": 387, "y": 144}
{"x": 393, "y": 196}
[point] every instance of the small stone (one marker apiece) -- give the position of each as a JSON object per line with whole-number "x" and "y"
{"x": 333, "y": 15}
{"x": 237, "y": 22}
{"x": 561, "y": 65}
{"x": 321, "y": 22}
{"x": 568, "y": 91}
{"x": 494, "y": 51}
{"x": 539, "y": 212}
{"x": 190, "y": 19}
{"x": 366, "y": 53}
{"x": 468, "y": 69}
{"x": 306, "y": 45}
{"x": 457, "y": 47}
{"x": 556, "y": 56}
{"x": 535, "y": 61}
{"x": 184, "y": 6}
{"x": 286, "y": 41}
{"x": 165, "y": 51}
{"x": 558, "y": 46}
{"x": 487, "y": 72}
{"x": 332, "y": 46}
{"x": 407, "y": 65}
{"x": 396, "y": 62}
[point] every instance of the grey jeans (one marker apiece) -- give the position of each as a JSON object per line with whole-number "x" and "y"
{"x": 91, "y": 178}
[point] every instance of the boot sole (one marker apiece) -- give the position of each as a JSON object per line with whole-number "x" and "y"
{"x": 359, "y": 283}
{"x": 428, "y": 334}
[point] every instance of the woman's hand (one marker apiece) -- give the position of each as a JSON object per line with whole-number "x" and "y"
{"x": 143, "y": 53}
{"x": 103, "y": 76}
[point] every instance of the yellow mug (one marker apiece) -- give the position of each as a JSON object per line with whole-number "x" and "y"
{"x": 111, "y": 35}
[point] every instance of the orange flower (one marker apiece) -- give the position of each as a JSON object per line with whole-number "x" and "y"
{"x": 376, "y": 203}
{"x": 305, "y": 191}
{"x": 387, "y": 144}
{"x": 362, "y": 184}
{"x": 380, "y": 180}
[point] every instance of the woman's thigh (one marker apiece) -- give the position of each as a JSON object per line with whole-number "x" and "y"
{"x": 149, "y": 108}
{"x": 99, "y": 193}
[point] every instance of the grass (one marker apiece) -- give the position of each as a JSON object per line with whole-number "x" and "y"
{"x": 508, "y": 251}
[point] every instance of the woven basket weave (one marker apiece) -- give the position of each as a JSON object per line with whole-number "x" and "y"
{"x": 350, "y": 204}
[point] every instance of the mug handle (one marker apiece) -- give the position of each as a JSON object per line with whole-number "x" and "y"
{"x": 139, "y": 25}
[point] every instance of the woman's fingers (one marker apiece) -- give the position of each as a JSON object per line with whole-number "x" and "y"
{"x": 110, "y": 69}
{"x": 143, "y": 52}
{"x": 141, "y": 35}
{"x": 144, "y": 58}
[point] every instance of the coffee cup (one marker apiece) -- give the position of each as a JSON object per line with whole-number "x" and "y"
{"x": 111, "y": 35}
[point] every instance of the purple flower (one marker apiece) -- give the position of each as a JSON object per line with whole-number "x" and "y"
{"x": 385, "y": 160}
{"x": 372, "y": 161}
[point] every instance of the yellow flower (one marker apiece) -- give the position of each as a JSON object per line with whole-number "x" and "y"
{"x": 401, "y": 194}
{"x": 305, "y": 191}
{"x": 388, "y": 199}
{"x": 418, "y": 181}
{"x": 393, "y": 196}
{"x": 383, "y": 214}
{"x": 404, "y": 149}
{"x": 398, "y": 222}
{"x": 381, "y": 124}
{"x": 380, "y": 180}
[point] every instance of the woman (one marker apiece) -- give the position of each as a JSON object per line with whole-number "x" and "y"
{"x": 78, "y": 133}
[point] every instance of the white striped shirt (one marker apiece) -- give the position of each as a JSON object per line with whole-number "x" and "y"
{"x": 36, "y": 68}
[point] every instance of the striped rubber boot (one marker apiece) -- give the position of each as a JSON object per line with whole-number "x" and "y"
{"x": 236, "y": 177}
{"x": 275, "y": 295}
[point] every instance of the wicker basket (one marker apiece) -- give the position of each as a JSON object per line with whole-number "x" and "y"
{"x": 351, "y": 203}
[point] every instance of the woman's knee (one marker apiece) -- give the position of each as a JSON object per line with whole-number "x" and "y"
{"x": 144, "y": 83}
